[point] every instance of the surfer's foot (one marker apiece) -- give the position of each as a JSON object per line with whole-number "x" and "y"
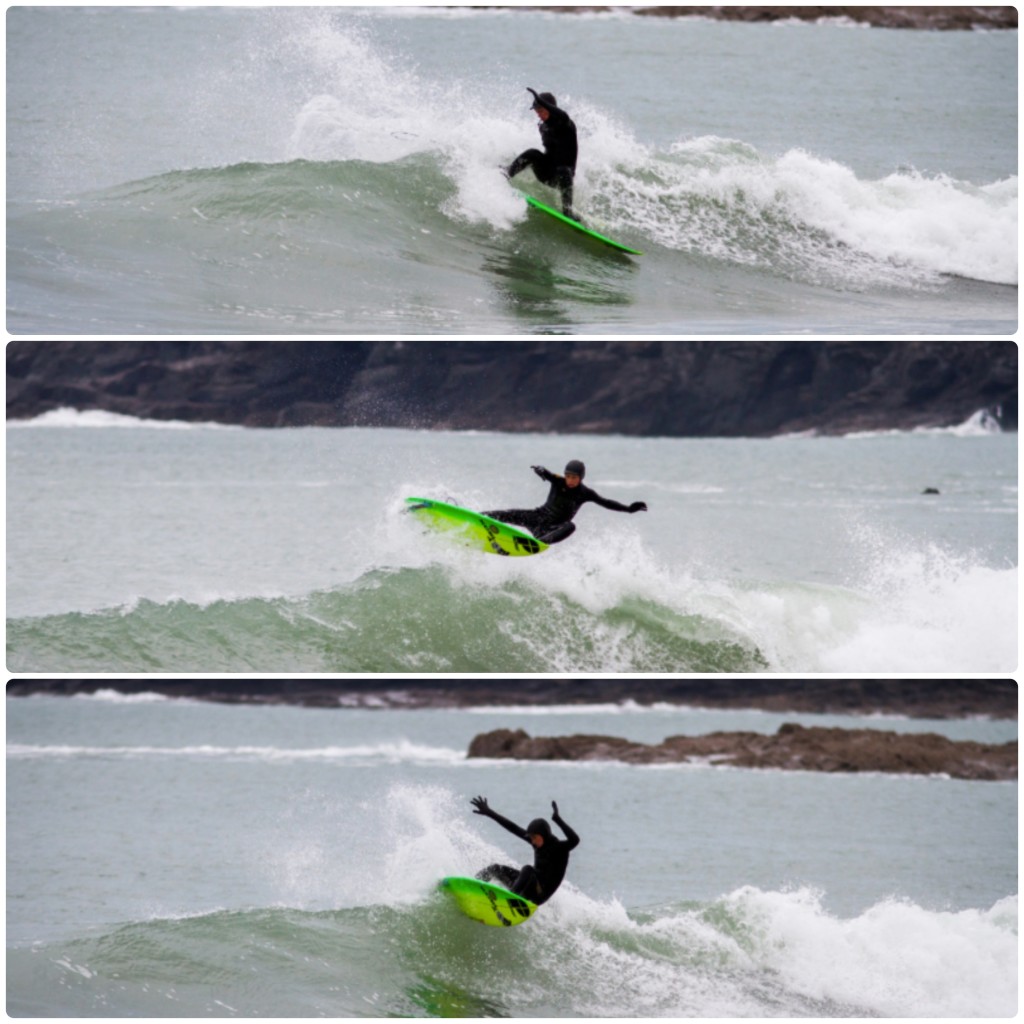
{"x": 572, "y": 214}
{"x": 504, "y": 170}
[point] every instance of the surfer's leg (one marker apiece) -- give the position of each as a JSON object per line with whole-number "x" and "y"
{"x": 515, "y": 517}
{"x": 558, "y": 533}
{"x": 500, "y": 873}
{"x": 528, "y": 885}
{"x": 526, "y": 159}
{"x": 564, "y": 181}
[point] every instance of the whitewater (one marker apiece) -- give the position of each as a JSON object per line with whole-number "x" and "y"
{"x": 337, "y": 171}
{"x": 143, "y": 547}
{"x": 230, "y": 860}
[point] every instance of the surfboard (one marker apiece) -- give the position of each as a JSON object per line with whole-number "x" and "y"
{"x": 487, "y": 903}
{"x": 576, "y": 225}
{"x": 474, "y": 528}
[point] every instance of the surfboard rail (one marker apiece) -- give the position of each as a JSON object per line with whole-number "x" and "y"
{"x": 487, "y": 903}
{"x": 558, "y": 215}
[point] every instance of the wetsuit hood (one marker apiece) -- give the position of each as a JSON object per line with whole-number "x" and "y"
{"x": 539, "y": 827}
{"x": 577, "y": 467}
{"x": 547, "y": 98}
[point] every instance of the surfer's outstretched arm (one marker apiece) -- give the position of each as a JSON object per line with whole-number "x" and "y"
{"x": 481, "y": 807}
{"x": 544, "y": 474}
{"x": 617, "y": 506}
{"x": 571, "y": 838}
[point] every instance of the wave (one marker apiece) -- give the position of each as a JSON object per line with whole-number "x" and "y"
{"x": 399, "y": 751}
{"x": 613, "y": 612}
{"x": 749, "y": 953}
{"x": 713, "y": 201}
{"x": 983, "y": 423}
{"x": 815, "y": 220}
{"x": 65, "y": 417}
{"x": 388, "y": 620}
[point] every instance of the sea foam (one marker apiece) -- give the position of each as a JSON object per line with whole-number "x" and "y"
{"x": 896, "y": 959}
{"x": 67, "y": 417}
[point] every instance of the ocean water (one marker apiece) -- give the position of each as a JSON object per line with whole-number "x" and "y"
{"x": 174, "y": 858}
{"x": 303, "y": 170}
{"x": 138, "y": 546}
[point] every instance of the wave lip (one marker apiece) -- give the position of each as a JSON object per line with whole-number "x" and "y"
{"x": 814, "y": 219}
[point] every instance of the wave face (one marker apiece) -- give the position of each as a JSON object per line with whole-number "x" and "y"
{"x": 748, "y": 954}
{"x": 427, "y": 619}
{"x": 719, "y": 201}
{"x": 318, "y": 210}
{"x": 392, "y": 620}
{"x": 323, "y": 243}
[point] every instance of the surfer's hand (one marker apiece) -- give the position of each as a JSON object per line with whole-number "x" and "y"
{"x": 539, "y": 470}
{"x": 480, "y": 805}
{"x": 638, "y": 506}
{"x": 554, "y": 810}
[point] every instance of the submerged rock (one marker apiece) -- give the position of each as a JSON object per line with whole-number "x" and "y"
{"x": 793, "y": 748}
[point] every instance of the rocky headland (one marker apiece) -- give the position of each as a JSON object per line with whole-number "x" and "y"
{"x": 792, "y": 748}
{"x": 936, "y": 699}
{"x": 637, "y": 388}
{"x": 921, "y": 18}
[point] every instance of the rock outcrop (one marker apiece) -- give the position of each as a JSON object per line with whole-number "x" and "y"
{"x": 638, "y": 388}
{"x": 793, "y": 747}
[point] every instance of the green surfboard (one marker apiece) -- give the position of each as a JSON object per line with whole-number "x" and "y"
{"x": 487, "y": 903}
{"x": 474, "y": 528}
{"x": 575, "y": 224}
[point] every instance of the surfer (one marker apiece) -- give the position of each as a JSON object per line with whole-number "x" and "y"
{"x": 556, "y": 166}
{"x": 552, "y": 522}
{"x": 538, "y": 881}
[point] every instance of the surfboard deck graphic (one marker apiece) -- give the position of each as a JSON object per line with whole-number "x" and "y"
{"x": 489, "y": 904}
{"x": 474, "y": 528}
{"x": 558, "y": 215}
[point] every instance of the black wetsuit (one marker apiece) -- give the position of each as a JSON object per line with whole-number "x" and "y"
{"x": 552, "y": 522}
{"x": 538, "y": 881}
{"x": 556, "y": 166}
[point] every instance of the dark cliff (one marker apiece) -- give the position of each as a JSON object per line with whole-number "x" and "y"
{"x": 643, "y": 388}
{"x": 922, "y": 698}
{"x": 917, "y": 17}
